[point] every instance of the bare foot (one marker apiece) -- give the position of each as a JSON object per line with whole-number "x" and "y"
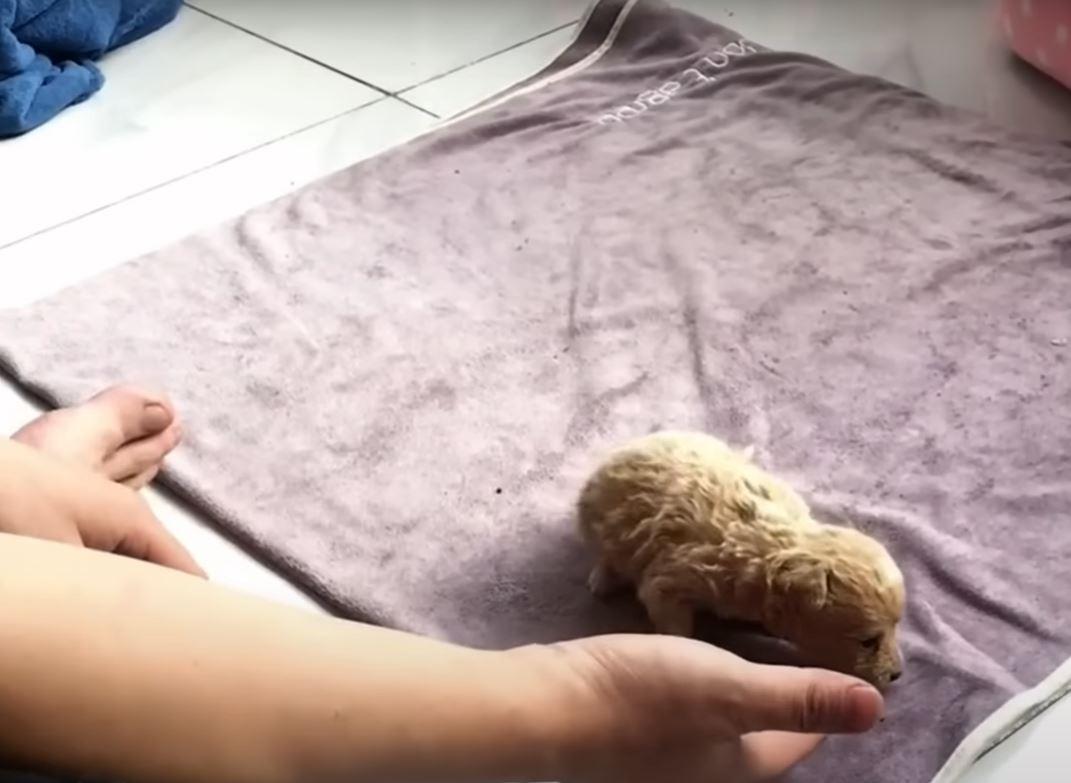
{"x": 124, "y": 433}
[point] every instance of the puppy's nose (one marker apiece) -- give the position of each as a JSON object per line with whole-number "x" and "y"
{"x": 895, "y": 676}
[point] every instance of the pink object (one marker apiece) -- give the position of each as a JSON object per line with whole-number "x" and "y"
{"x": 1039, "y": 31}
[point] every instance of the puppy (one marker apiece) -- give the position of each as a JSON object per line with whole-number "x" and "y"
{"x": 694, "y": 525}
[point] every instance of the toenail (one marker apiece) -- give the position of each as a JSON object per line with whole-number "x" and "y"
{"x": 157, "y": 416}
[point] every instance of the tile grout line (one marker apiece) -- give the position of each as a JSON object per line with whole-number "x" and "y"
{"x": 194, "y": 172}
{"x": 409, "y": 103}
{"x": 290, "y": 50}
{"x": 384, "y": 95}
{"x": 486, "y": 57}
{"x": 396, "y": 94}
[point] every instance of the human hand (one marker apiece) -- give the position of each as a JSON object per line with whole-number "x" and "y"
{"x": 672, "y": 709}
{"x": 44, "y": 497}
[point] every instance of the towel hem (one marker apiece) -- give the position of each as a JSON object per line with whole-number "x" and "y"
{"x": 595, "y": 35}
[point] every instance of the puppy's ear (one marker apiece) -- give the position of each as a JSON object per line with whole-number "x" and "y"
{"x": 798, "y": 584}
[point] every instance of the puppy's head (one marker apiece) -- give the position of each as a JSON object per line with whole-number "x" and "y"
{"x": 838, "y": 596}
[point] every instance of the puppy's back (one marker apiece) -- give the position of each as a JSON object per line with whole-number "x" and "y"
{"x": 676, "y": 486}
{"x": 646, "y": 475}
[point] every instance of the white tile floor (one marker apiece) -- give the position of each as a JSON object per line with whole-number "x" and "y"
{"x": 241, "y": 100}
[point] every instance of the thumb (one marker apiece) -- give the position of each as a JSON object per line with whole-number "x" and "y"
{"x": 807, "y": 701}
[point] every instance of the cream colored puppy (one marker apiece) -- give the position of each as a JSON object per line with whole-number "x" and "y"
{"x": 695, "y": 525}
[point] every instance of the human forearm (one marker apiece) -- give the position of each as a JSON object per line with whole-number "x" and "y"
{"x": 116, "y": 668}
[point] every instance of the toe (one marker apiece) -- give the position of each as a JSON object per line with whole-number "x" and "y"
{"x": 143, "y": 479}
{"x": 124, "y": 432}
{"x": 132, "y": 413}
{"x": 137, "y": 462}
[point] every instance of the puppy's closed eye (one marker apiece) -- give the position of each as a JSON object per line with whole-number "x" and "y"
{"x": 872, "y": 642}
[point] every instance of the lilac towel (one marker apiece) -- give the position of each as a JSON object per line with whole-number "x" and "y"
{"x": 396, "y": 380}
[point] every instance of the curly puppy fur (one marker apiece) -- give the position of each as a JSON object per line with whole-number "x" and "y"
{"x": 695, "y": 525}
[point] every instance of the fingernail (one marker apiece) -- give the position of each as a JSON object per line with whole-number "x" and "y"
{"x": 864, "y": 709}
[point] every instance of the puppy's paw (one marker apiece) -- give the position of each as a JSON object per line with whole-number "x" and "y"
{"x": 669, "y": 615}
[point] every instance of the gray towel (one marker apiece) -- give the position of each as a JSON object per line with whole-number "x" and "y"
{"x": 396, "y": 380}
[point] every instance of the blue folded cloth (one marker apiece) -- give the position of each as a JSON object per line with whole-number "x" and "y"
{"x": 47, "y": 48}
